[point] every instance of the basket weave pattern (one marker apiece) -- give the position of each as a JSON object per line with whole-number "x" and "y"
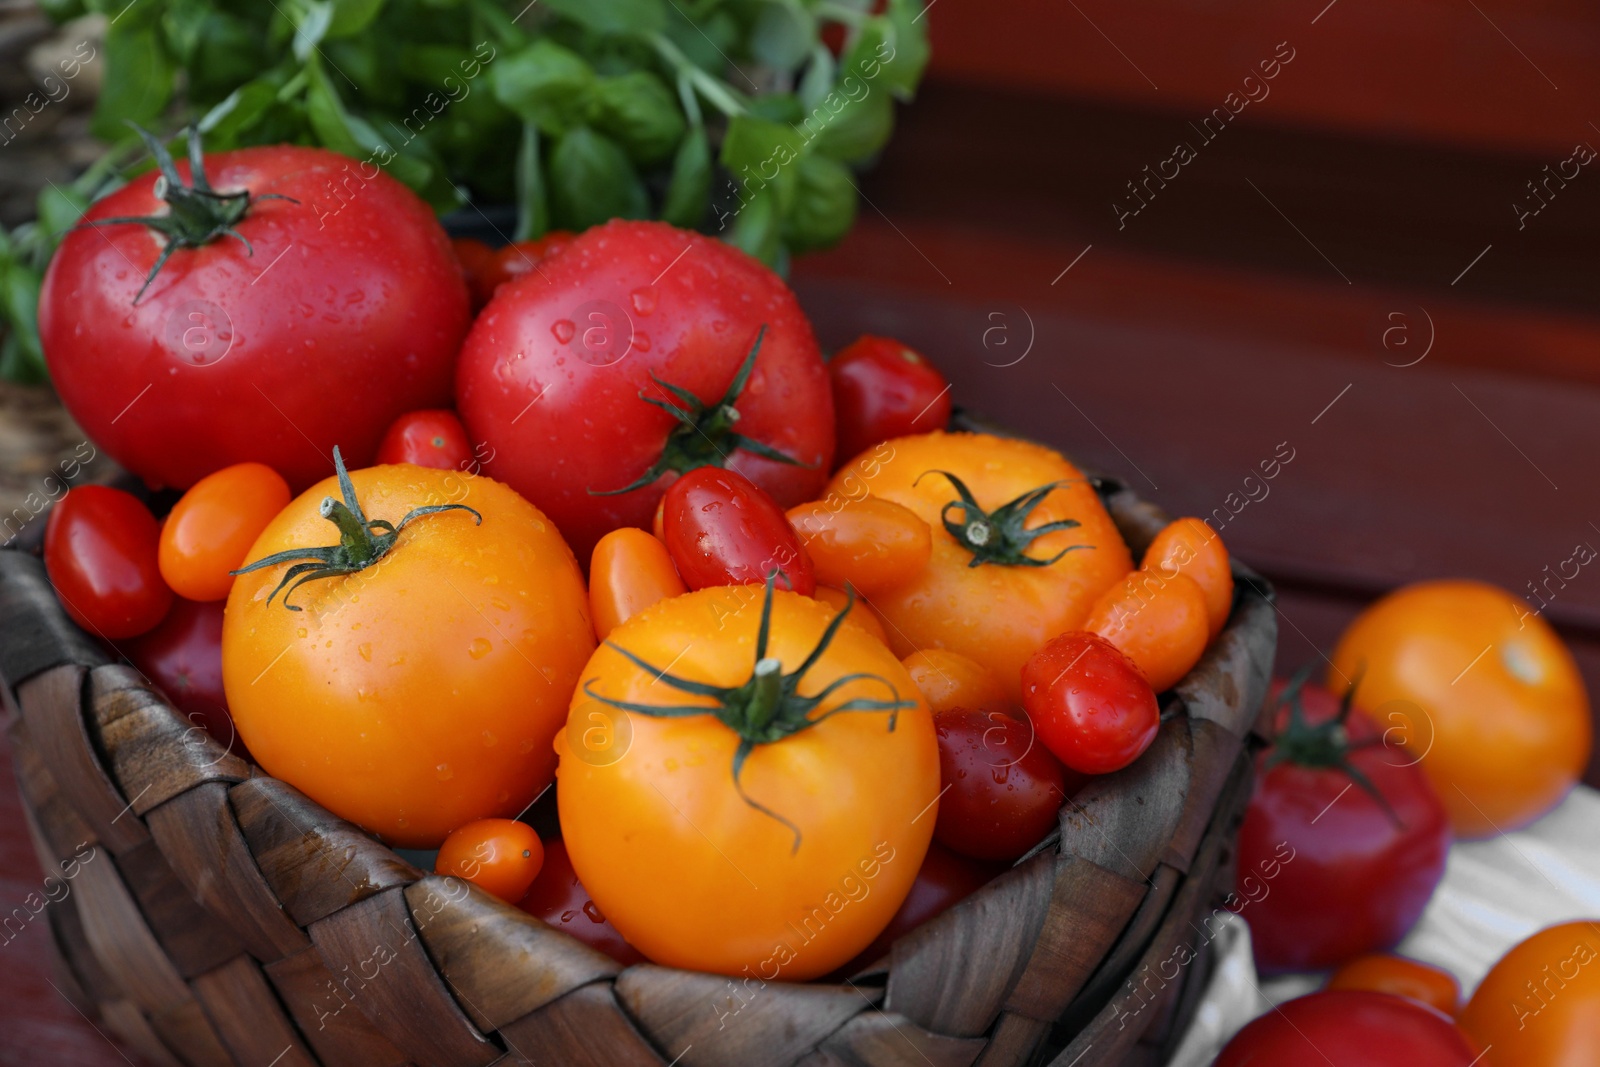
{"x": 217, "y": 916}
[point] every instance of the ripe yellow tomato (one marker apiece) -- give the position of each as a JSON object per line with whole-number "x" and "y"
{"x": 214, "y": 524}
{"x": 950, "y": 681}
{"x": 421, "y": 692}
{"x": 502, "y": 857}
{"x": 861, "y": 613}
{"x": 1031, "y": 585}
{"x": 1540, "y": 1005}
{"x": 776, "y": 833}
{"x": 1471, "y": 682}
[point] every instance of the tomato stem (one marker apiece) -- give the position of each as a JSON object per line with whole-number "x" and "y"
{"x": 1001, "y": 536}
{"x": 1324, "y": 745}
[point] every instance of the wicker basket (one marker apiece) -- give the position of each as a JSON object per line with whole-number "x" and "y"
{"x": 217, "y": 916}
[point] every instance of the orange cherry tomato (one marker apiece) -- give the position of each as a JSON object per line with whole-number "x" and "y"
{"x": 499, "y": 856}
{"x": 862, "y": 614}
{"x": 1384, "y": 972}
{"x": 1190, "y": 547}
{"x": 213, "y": 525}
{"x": 1159, "y": 623}
{"x": 948, "y": 680}
{"x": 658, "y": 524}
{"x": 869, "y": 543}
{"x": 1478, "y": 688}
{"x": 521, "y": 258}
{"x": 629, "y": 571}
{"x": 1540, "y": 1005}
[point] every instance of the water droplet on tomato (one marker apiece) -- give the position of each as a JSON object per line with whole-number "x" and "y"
{"x": 479, "y": 648}
{"x": 444, "y": 772}
{"x": 644, "y": 299}
{"x": 489, "y": 741}
{"x": 365, "y": 650}
{"x": 563, "y": 330}
{"x": 301, "y": 632}
{"x": 641, "y": 341}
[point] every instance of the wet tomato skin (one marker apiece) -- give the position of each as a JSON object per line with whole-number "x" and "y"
{"x": 183, "y": 657}
{"x": 211, "y": 527}
{"x": 557, "y": 897}
{"x": 1001, "y": 788}
{"x": 883, "y": 389}
{"x": 723, "y": 529}
{"x": 101, "y": 550}
{"x": 1090, "y": 703}
{"x": 500, "y": 856}
{"x": 432, "y": 437}
{"x": 1350, "y": 1028}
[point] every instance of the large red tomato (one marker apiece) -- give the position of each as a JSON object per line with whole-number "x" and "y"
{"x": 344, "y": 310}
{"x": 572, "y": 373}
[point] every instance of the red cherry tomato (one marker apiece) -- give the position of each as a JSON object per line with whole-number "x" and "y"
{"x": 1326, "y": 872}
{"x": 430, "y": 438}
{"x": 477, "y": 261}
{"x": 944, "y": 880}
{"x": 101, "y": 552}
{"x": 520, "y": 258}
{"x": 883, "y": 390}
{"x": 1350, "y": 1028}
{"x": 499, "y": 856}
{"x": 723, "y": 529}
{"x": 1091, "y": 705}
{"x": 183, "y": 657}
{"x": 558, "y": 898}
{"x": 1001, "y": 787}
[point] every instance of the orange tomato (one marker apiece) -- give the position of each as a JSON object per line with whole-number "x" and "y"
{"x": 1479, "y": 689}
{"x": 768, "y": 836}
{"x": 948, "y": 681}
{"x": 1159, "y": 623}
{"x": 1540, "y": 1005}
{"x": 213, "y": 525}
{"x": 871, "y": 543}
{"x": 658, "y": 522}
{"x": 500, "y": 856}
{"x": 861, "y": 614}
{"x": 1191, "y": 548}
{"x": 1048, "y": 548}
{"x": 420, "y": 692}
{"x": 1386, "y": 973}
{"x": 629, "y": 571}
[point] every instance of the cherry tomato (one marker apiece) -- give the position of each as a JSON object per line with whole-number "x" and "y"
{"x": 1386, "y": 973}
{"x": 521, "y": 258}
{"x": 1090, "y": 704}
{"x": 183, "y": 657}
{"x": 477, "y": 261}
{"x": 1350, "y": 1028}
{"x": 558, "y": 898}
{"x": 1001, "y": 788}
{"x": 1190, "y": 547}
{"x": 1326, "y": 871}
{"x": 949, "y": 680}
{"x": 1539, "y": 1006}
{"x": 1159, "y": 623}
{"x": 868, "y": 543}
{"x": 944, "y": 880}
{"x": 430, "y": 438}
{"x": 499, "y": 856}
{"x": 211, "y": 527}
{"x": 658, "y": 520}
{"x": 630, "y": 571}
{"x": 861, "y": 613}
{"x": 101, "y": 552}
{"x": 883, "y": 390}
{"x": 723, "y": 529}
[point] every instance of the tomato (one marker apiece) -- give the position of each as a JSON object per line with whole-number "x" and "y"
{"x": 1159, "y": 623}
{"x": 100, "y": 550}
{"x": 1090, "y": 704}
{"x": 861, "y": 613}
{"x": 421, "y": 691}
{"x": 883, "y": 390}
{"x": 949, "y": 680}
{"x": 1480, "y": 689}
{"x": 630, "y": 571}
{"x": 1012, "y": 567}
{"x": 1001, "y": 788}
{"x": 558, "y": 898}
{"x": 432, "y": 438}
{"x": 183, "y": 658}
{"x": 502, "y": 857}
{"x": 1385, "y": 973}
{"x": 477, "y": 262}
{"x": 639, "y": 353}
{"x": 521, "y": 258}
{"x": 214, "y": 524}
{"x": 1327, "y": 870}
{"x": 1350, "y": 1028}
{"x": 1539, "y": 1006}
{"x": 339, "y": 314}
{"x": 778, "y": 827}
{"x": 723, "y": 529}
{"x": 871, "y": 544}
{"x": 1191, "y": 548}
{"x": 944, "y": 881}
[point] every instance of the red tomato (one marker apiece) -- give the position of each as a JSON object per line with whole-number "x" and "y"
{"x": 1327, "y": 872}
{"x": 206, "y": 535}
{"x": 520, "y": 258}
{"x": 477, "y": 261}
{"x": 722, "y": 529}
{"x": 100, "y": 550}
{"x": 432, "y": 438}
{"x": 1350, "y": 1028}
{"x": 883, "y": 390}
{"x": 558, "y": 898}
{"x": 1090, "y": 704}
{"x": 944, "y": 880}
{"x": 1001, "y": 788}
{"x": 183, "y": 657}
{"x": 500, "y": 856}
{"x": 588, "y": 358}
{"x": 340, "y": 314}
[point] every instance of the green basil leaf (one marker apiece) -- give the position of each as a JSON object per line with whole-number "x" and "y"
{"x": 638, "y": 112}
{"x": 782, "y": 35}
{"x": 817, "y": 80}
{"x": 352, "y": 16}
{"x": 312, "y": 27}
{"x": 19, "y": 304}
{"x": 861, "y": 127}
{"x": 355, "y": 137}
{"x": 824, "y": 206}
{"x": 757, "y": 229}
{"x": 138, "y": 82}
{"x": 614, "y": 16}
{"x": 183, "y": 23}
{"x": 592, "y": 180}
{"x": 760, "y": 156}
{"x": 777, "y": 107}
{"x": 61, "y": 10}
{"x": 533, "y": 202}
{"x": 226, "y": 125}
{"x": 891, "y": 49}
{"x": 689, "y": 192}
{"x": 545, "y": 84}
{"x": 60, "y": 208}
{"x": 227, "y": 47}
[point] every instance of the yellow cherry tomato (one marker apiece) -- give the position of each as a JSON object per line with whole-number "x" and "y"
{"x": 213, "y": 525}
